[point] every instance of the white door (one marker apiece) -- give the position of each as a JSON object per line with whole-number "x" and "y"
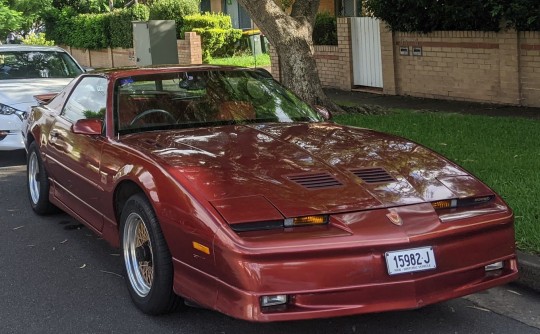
{"x": 366, "y": 50}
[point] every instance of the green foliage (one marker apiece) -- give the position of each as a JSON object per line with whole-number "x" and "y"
{"x": 36, "y": 39}
{"x": 216, "y": 31}
{"x": 85, "y": 6}
{"x": 121, "y": 27}
{"x": 90, "y": 31}
{"x": 94, "y": 31}
{"x": 59, "y": 24}
{"x": 524, "y": 15}
{"x": 325, "y": 29}
{"x": 174, "y": 10}
{"x": 428, "y": 15}
{"x": 10, "y": 20}
{"x": 478, "y": 15}
{"x": 31, "y": 12}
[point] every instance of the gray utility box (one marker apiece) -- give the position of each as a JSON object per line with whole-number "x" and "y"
{"x": 155, "y": 42}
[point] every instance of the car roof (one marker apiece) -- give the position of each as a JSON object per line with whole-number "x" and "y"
{"x": 114, "y": 73}
{"x": 24, "y": 47}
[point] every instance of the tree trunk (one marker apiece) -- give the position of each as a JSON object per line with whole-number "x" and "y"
{"x": 291, "y": 35}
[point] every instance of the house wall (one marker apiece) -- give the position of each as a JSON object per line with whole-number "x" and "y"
{"x": 490, "y": 67}
{"x": 501, "y": 68}
{"x": 327, "y": 6}
{"x": 529, "y": 60}
{"x": 215, "y": 5}
{"x": 189, "y": 53}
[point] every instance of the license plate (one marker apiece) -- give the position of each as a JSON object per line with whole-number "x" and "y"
{"x": 410, "y": 260}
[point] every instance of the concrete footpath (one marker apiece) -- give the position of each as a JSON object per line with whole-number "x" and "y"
{"x": 529, "y": 265}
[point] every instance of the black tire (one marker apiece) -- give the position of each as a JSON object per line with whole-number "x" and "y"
{"x": 148, "y": 265}
{"x": 37, "y": 181}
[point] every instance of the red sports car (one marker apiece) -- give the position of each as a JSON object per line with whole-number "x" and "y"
{"x": 223, "y": 188}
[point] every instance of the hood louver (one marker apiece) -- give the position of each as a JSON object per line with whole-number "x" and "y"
{"x": 373, "y": 175}
{"x": 315, "y": 180}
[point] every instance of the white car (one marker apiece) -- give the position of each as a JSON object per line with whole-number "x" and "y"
{"x": 26, "y": 71}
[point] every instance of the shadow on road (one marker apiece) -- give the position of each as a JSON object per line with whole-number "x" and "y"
{"x": 12, "y": 158}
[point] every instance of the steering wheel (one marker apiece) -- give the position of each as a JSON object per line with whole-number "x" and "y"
{"x": 150, "y": 112}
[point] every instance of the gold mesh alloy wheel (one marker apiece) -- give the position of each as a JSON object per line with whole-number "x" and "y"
{"x": 138, "y": 254}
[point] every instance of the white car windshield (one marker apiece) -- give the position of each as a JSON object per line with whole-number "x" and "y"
{"x": 37, "y": 64}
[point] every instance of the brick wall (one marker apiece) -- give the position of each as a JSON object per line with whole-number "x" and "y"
{"x": 190, "y": 49}
{"x": 189, "y": 52}
{"x": 529, "y": 61}
{"x": 475, "y": 66}
{"x": 502, "y": 68}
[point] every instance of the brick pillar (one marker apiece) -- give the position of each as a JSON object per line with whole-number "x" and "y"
{"x": 510, "y": 91}
{"x": 345, "y": 52}
{"x": 274, "y": 62}
{"x": 190, "y": 49}
{"x": 110, "y": 58}
{"x": 388, "y": 60}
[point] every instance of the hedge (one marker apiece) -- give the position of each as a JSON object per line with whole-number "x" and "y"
{"x": 461, "y": 15}
{"x": 174, "y": 10}
{"x": 217, "y": 34}
{"x": 120, "y": 24}
{"x": 113, "y": 29}
{"x": 325, "y": 29}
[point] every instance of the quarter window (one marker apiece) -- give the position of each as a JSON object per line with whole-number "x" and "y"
{"x": 88, "y": 100}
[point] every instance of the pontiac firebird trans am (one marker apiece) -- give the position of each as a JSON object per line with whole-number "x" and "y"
{"x": 224, "y": 190}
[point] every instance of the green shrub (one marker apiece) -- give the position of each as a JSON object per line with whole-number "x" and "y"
{"x": 217, "y": 34}
{"x": 36, "y": 39}
{"x": 428, "y": 15}
{"x": 59, "y": 24}
{"x": 173, "y": 10}
{"x": 524, "y": 15}
{"x": 121, "y": 28}
{"x": 325, "y": 29}
{"x": 90, "y": 31}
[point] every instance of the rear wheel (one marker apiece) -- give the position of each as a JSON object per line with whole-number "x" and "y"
{"x": 38, "y": 183}
{"x": 147, "y": 260}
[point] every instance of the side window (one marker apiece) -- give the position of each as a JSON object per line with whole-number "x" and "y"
{"x": 88, "y": 100}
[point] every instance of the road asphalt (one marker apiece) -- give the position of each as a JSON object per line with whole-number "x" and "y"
{"x": 529, "y": 264}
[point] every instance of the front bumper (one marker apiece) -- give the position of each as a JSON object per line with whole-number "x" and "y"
{"x": 10, "y": 133}
{"x": 338, "y": 277}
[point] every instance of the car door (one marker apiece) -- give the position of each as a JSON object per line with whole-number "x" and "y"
{"x": 74, "y": 159}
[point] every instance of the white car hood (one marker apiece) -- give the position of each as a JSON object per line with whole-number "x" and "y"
{"x": 19, "y": 93}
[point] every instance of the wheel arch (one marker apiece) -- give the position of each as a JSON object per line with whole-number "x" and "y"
{"x": 123, "y": 191}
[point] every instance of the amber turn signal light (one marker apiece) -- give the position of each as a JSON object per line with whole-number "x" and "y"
{"x": 307, "y": 220}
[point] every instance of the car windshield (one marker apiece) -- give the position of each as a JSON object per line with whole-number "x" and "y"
{"x": 37, "y": 64}
{"x": 205, "y": 98}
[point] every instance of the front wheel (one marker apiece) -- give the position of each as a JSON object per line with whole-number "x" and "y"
{"x": 147, "y": 260}
{"x": 38, "y": 183}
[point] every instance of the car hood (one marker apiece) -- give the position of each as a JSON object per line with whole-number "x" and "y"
{"x": 304, "y": 168}
{"x": 19, "y": 94}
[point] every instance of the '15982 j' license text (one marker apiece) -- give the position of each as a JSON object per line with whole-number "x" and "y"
{"x": 410, "y": 260}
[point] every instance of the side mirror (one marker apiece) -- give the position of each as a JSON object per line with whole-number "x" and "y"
{"x": 325, "y": 113}
{"x": 88, "y": 126}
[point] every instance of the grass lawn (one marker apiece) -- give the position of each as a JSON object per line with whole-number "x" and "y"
{"x": 243, "y": 60}
{"x": 503, "y": 152}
